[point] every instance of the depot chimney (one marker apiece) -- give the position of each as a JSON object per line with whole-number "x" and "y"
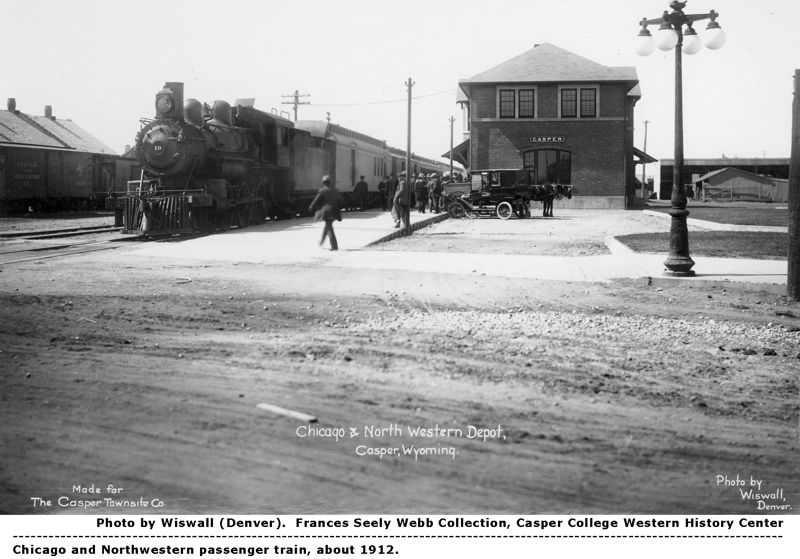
{"x": 11, "y": 104}
{"x": 48, "y": 112}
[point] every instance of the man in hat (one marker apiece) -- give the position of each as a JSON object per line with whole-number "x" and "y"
{"x": 421, "y": 192}
{"x": 327, "y": 207}
{"x": 435, "y": 193}
{"x": 382, "y": 191}
{"x": 360, "y": 192}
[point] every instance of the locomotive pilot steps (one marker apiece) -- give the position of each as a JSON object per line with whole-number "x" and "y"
{"x": 211, "y": 168}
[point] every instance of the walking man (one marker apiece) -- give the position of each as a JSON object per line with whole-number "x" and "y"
{"x": 327, "y": 207}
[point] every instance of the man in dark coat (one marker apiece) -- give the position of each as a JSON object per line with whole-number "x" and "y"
{"x": 360, "y": 192}
{"x": 421, "y": 193}
{"x": 327, "y": 207}
{"x": 382, "y": 189}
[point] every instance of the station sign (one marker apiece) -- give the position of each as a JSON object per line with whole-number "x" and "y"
{"x": 547, "y": 139}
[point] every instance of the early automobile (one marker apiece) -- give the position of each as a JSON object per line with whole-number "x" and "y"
{"x": 501, "y": 192}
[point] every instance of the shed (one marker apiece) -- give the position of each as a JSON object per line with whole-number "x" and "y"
{"x": 731, "y": 183}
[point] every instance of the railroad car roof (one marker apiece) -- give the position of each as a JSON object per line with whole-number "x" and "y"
{"x": 401, "y": 154}
{"x": 323, "y": 129}
{"x": 20, "y": 129}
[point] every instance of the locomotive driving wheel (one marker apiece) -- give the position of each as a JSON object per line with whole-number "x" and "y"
{"x": 504, "y": 210}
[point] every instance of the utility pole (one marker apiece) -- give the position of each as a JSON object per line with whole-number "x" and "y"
{"x": 295, "y": 100}
{"x": 644, "y": 165}
{"x": 409, "y": 84}
{"x": 452, "y": 120}
{"x": 793, "y": 275}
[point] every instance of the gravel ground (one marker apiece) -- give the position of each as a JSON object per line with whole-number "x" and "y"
{"x": 22, "y": 224}
{"x": 618, "y": 397}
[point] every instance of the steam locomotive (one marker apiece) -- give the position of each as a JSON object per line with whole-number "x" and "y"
{"x": 207, "y": 168}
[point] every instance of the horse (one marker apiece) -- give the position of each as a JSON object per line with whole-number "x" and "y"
{"x": 547, "y": 192}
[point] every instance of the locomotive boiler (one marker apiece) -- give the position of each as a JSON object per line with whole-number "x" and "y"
{"x": 205, "y": 168}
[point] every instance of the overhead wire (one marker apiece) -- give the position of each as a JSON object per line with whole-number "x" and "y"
{"x": 404, "y": 99}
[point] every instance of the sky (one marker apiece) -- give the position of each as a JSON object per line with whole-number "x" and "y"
{"x": 101, "y": 62}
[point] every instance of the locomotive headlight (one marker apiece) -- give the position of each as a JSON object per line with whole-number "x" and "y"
{"x": 164, "y": 104}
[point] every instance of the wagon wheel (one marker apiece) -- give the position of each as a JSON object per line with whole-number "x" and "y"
{"x": 456, "y": 210}
{"x": 504, "y": 210}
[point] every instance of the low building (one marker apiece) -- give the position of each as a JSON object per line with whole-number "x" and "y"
{"x": 731, "y": 184}
{"x": 566, "y": 118}
{"x": 694, "y": 168}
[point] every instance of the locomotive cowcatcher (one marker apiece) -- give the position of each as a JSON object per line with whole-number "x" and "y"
{"x": 206, "y": 168}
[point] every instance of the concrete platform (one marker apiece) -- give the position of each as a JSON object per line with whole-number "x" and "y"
{"x": 296, "y": 242}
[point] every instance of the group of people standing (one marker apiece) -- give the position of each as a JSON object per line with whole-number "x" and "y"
{"x": 400, "y": 195}
{"x": 429, "y": 191}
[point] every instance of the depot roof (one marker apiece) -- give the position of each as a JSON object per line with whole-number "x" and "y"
{"x": 549, "y": 63}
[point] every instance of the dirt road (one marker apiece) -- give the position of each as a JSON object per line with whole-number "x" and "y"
{"x": 146, "y": 375}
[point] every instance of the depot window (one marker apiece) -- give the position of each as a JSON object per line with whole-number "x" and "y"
{"x": 516, "y": 102}
{"x": 507, "y": 102}
{"x": 526, "y": 103}
{"x": 578, "y": 102}
{"x": 549, "y": 165}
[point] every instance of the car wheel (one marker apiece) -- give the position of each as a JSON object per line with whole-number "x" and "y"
{"x": 504, "y": 210}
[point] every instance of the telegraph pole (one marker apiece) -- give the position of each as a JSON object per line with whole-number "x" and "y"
{"x": 793, "y": 275}
{"x": 452, "y": 120}
{"x": 409, "y": 85}
{"x": 295, "y": 100}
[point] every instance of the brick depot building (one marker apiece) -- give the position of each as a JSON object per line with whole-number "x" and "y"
{"x": 567, "y": 118}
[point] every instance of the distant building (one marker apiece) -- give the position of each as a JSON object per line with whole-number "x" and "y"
{"x": 567, "y": 118}
{"x": 738, "y": 185}
{"x": 52, "y": 163}
{"x": 693, "y": 169}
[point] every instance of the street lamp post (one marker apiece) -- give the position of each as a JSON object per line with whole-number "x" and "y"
{"x": 644, "y": 165}
{"x": 671, "y": 34}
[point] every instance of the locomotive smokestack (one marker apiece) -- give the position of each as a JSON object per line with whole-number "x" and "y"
{"x": 48, "y": 112}
{"x": 11, "y": 104}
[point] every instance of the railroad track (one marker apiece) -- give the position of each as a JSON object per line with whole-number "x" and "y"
{"x": 58, "y": 233}
{"x": 20, "y": 247}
